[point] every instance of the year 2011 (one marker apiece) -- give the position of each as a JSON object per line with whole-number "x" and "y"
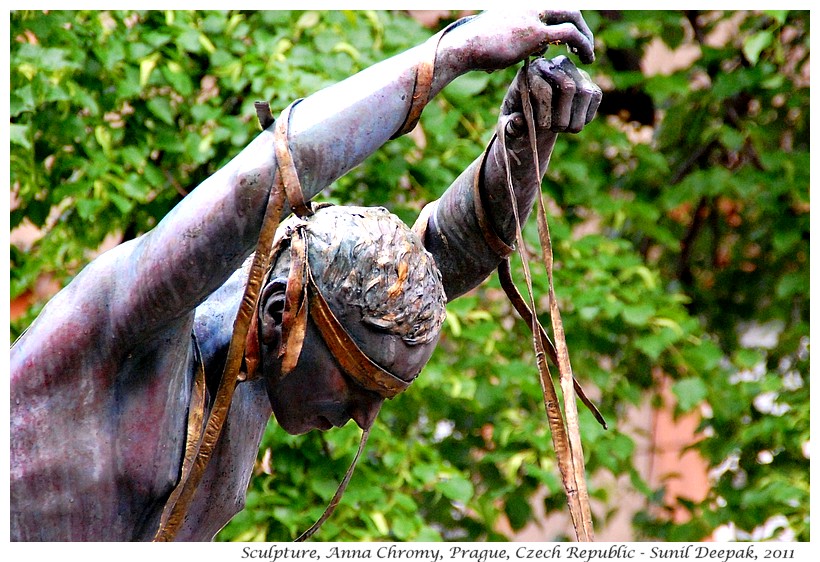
{"x": 778, "y": 553}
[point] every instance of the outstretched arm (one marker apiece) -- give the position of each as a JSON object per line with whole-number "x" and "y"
{"x": 564, "y": 99}
{"x": 356, "y": 117}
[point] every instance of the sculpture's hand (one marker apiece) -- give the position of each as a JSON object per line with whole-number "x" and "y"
{"x": 564, "y": 98}
{"x": 499, "y": 38}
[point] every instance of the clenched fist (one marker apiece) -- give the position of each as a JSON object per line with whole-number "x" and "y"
{"x": 564, "y": 98}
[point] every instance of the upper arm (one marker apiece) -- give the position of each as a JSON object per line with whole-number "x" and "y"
{"x": 169, "y": 271}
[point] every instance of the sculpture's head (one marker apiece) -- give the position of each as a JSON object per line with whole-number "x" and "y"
{"x": 349, "y": 315}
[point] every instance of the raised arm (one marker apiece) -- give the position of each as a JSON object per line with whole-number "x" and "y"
{"x": 356, "y": 117}
{"x": 564, "y": 99}
{"x": 199, "y": 244}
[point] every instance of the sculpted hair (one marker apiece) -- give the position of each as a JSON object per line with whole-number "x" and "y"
{"x": 368, "y": 258}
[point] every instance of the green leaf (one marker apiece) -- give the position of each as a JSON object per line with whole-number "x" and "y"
{"x": 778, "y": 15}
{"x": 324, "y": 488}
{"x": 307, "y": 20}
{"x": 622, "y": 446}
{"x": 732, "y": 138}
{"x": 704, "y": 356}
{"x": 638, "y": 315}
{"x": 747, "y": 358}
{"x": 380, "y": 522}
{"x": 48, "y": 59}
{"x": 161, "y": 107}
{"x": 189, "y": 41}
{"x": 177, "y": 78}
{"x": 429, "y": 535}
{"x": 794, "y": 283}
{"x": 18, "y": 134}
{"x": 425, "y": 472}
{"x": 20, "y": 100}
{"x": 206, "y": 43}
{"x": 103, "y": 136}
{"x": 403, "y": 527}
{"x": 690, "y": 392}
{"x": 518, "y": 511}
{"x": 124, "y": 205}
{"x": 88, "y": 208}
{"x": 147, "y": 66}
{"x": 755, "y": 44}
{"x": 156, "y": 38}
{"x": 129, "y": 87}
{"x": 456, "y": 488}
{"x": 655, "y": 344}
{"x": 468, "y": 85}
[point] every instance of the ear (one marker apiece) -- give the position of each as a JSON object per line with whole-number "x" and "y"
{"x": 271, "y": 309}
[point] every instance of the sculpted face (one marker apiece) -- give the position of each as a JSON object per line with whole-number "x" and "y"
{"x": 317, "y": 394}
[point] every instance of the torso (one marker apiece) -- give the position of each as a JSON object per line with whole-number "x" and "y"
{"x": 98, "y": 435}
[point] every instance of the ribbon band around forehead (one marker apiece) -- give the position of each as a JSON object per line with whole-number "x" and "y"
{"x": 303, "y": 297}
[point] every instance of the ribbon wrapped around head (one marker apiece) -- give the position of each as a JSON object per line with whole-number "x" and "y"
{"x": 361, "y": 258}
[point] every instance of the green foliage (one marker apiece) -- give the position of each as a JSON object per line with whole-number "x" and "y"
{"x": 675, "y": 243}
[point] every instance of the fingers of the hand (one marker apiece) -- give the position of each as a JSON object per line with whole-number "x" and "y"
{"x": 555, "y": 17}
{"x": 528, "y": 79}
{"x": 575, "y": 97}
{"x": 516, "y": 126}
{"x": 564, "y": 98}
{"x": 569, "y": 27}
{"x": 541, "y": 95}
{"x": 595, "y": 96}
{"x": 553, "y": 77}
{"x": 586, "y": 100}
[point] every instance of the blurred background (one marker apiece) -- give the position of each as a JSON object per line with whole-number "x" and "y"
{"x": 680, "y": 223}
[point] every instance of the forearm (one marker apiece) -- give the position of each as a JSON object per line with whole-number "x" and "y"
{"x": 337, "y": 128}
{"x": 524, "y": 177}
{"x": 453, "y": 234}
{"x": 471, "y": 228}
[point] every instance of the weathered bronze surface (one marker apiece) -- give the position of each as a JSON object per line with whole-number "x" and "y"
{"x": 111, "y": 356}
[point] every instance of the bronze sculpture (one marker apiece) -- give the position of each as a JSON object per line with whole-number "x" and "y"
{"x": 113, "y": 356}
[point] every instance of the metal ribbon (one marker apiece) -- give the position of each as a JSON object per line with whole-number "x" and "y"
{"x": 244, "y": 349}
{"x": 423, "y": 79}
{"x": 200, "y": 448}
{"x": 565, "y": 433}
{"x": 182, "y": 496}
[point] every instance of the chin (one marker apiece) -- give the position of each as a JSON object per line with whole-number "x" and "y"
{"x": 290, "y": 424}
{"x": 294, "y": 426}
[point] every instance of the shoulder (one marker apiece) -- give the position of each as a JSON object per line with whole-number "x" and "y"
{"x": 71, "y": 327}
{"x": 85, "y": 327}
